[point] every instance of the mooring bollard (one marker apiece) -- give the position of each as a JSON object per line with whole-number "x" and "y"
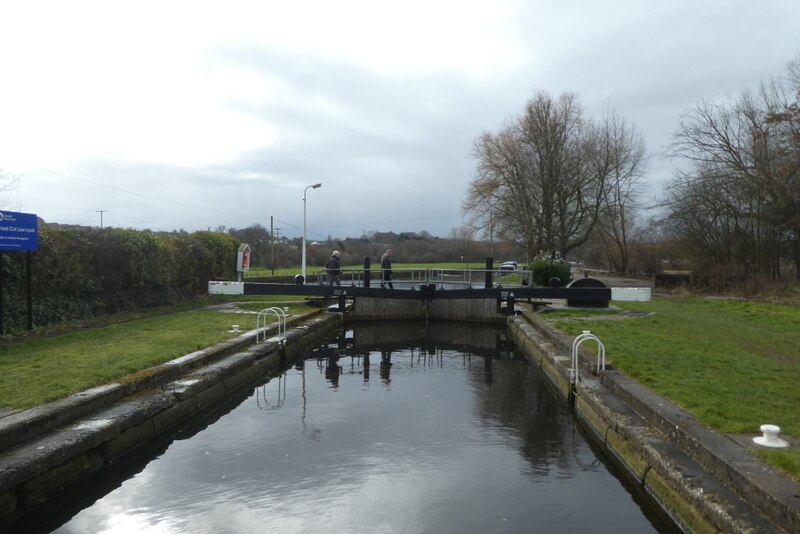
{"x": 770, "y": 437}
{"x": 489, "y": 267}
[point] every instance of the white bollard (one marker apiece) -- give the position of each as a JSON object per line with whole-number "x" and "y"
{"x": 770, "y": 437}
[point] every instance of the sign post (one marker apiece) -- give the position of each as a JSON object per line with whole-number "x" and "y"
{"x": 19, "y": 232}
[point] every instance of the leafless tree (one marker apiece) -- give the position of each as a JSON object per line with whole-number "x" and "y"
{"x": 542, "y": 180}
{"x": 464, "y": 236}
{"x": 623, "y": 154}
{"x": 739, "y": 200}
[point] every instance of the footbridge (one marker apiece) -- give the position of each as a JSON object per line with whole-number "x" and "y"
{"x": 461, "y": 294}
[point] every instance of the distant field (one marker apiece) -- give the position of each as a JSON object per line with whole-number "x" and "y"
{"x": 261, "y": 272}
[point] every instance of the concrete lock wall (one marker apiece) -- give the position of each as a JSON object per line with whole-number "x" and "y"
{"x": 377, "y": 309}
{"x": 701, "y": 480}
{"x": 46, "y": 450}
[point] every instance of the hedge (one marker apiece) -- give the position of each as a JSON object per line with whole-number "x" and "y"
{"x": 81, "y": 272}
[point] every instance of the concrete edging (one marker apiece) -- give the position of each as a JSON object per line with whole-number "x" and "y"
{"x": 25, "y": 425}
{"x": 703, "y": 480}
{"x": 80, "y": 435}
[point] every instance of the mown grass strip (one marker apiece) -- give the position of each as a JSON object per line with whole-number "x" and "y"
{"x": 734, "y": 364}
{"x": 43, "y": 369}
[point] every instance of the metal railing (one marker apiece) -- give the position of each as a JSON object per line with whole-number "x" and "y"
{"x": 468, "y": 278}
{"x": 443, "y": 278}
{"x": 355, "y": 277}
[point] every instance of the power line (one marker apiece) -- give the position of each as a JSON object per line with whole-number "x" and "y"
{"x": 238, "y": 218}
{"x": 396, "y": 221}
{"x": 375, "y": 223}
{"x": 151, "y": 197}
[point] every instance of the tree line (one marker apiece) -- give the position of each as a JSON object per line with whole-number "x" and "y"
{"x": 736, "y": 205}
{"x": 460, "y": 245}
{"x": 555, "y": 179}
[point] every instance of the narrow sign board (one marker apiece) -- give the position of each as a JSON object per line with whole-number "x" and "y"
{"x": 18, "y": 231}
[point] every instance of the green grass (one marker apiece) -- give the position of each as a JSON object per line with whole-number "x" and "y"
{"x": 734, "y": 364}
{"x": 553, "y": 315}
{"x": 42, "y": 369}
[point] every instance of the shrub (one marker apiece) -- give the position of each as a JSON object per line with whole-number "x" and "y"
{"x": 543, "y": 268}
{"x": 81, "y": 272}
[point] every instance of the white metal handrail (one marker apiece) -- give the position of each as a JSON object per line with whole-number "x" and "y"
{"x": 467, "y": 277}
{"x": 355, "y": 276}
{"x": 601, "y": 355}
{"x": 280, "y": 314}
{"x": 441, "y": 277}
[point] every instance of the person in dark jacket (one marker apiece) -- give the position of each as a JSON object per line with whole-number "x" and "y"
{"x": 334, "y": 269}
{"x": 386, "y": 269}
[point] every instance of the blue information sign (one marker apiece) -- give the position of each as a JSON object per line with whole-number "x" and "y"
{"x": 18, "y": 231}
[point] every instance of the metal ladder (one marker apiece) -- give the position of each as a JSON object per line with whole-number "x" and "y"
{"x": 601, "y": 358}
{"x": 280, "y": 314}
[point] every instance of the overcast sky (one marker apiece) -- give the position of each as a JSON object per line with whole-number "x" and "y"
{"x": 191, "y": 115}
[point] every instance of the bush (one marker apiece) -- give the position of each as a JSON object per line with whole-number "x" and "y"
{"x": 81, "y": 272}
{"x": 543, "y": 268}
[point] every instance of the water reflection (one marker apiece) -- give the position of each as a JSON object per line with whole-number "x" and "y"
{"x": 333, "y": 370}
{"x": 450, "y": 438}
{"x": 386, "y": 365}
{"x": 280, "y": 396}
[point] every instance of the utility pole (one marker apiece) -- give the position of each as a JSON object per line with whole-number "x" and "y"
{"x": 272, "y": 242}
{"x": 101, "y": 212}
{"x": 277, "y": 236}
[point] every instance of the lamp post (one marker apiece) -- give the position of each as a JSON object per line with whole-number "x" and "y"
{"x": 315, "y": 186}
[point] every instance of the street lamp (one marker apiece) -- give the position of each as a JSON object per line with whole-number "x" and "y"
{"x": 315, "y": 186}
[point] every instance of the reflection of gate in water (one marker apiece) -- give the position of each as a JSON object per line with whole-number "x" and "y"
{"x": 358, "y": 349}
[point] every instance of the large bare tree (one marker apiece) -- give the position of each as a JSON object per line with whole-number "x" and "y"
{"x": 542, "y": 180}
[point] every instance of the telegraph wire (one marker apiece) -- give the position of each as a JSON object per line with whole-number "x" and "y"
{"x": 396, "y": 221}
{"x": 239, "y": 217}
{"x": 143, "y": 195}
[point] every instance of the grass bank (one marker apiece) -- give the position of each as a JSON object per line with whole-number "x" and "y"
{"x": 41, "y": 369}
{"x": 734, "y": 364}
